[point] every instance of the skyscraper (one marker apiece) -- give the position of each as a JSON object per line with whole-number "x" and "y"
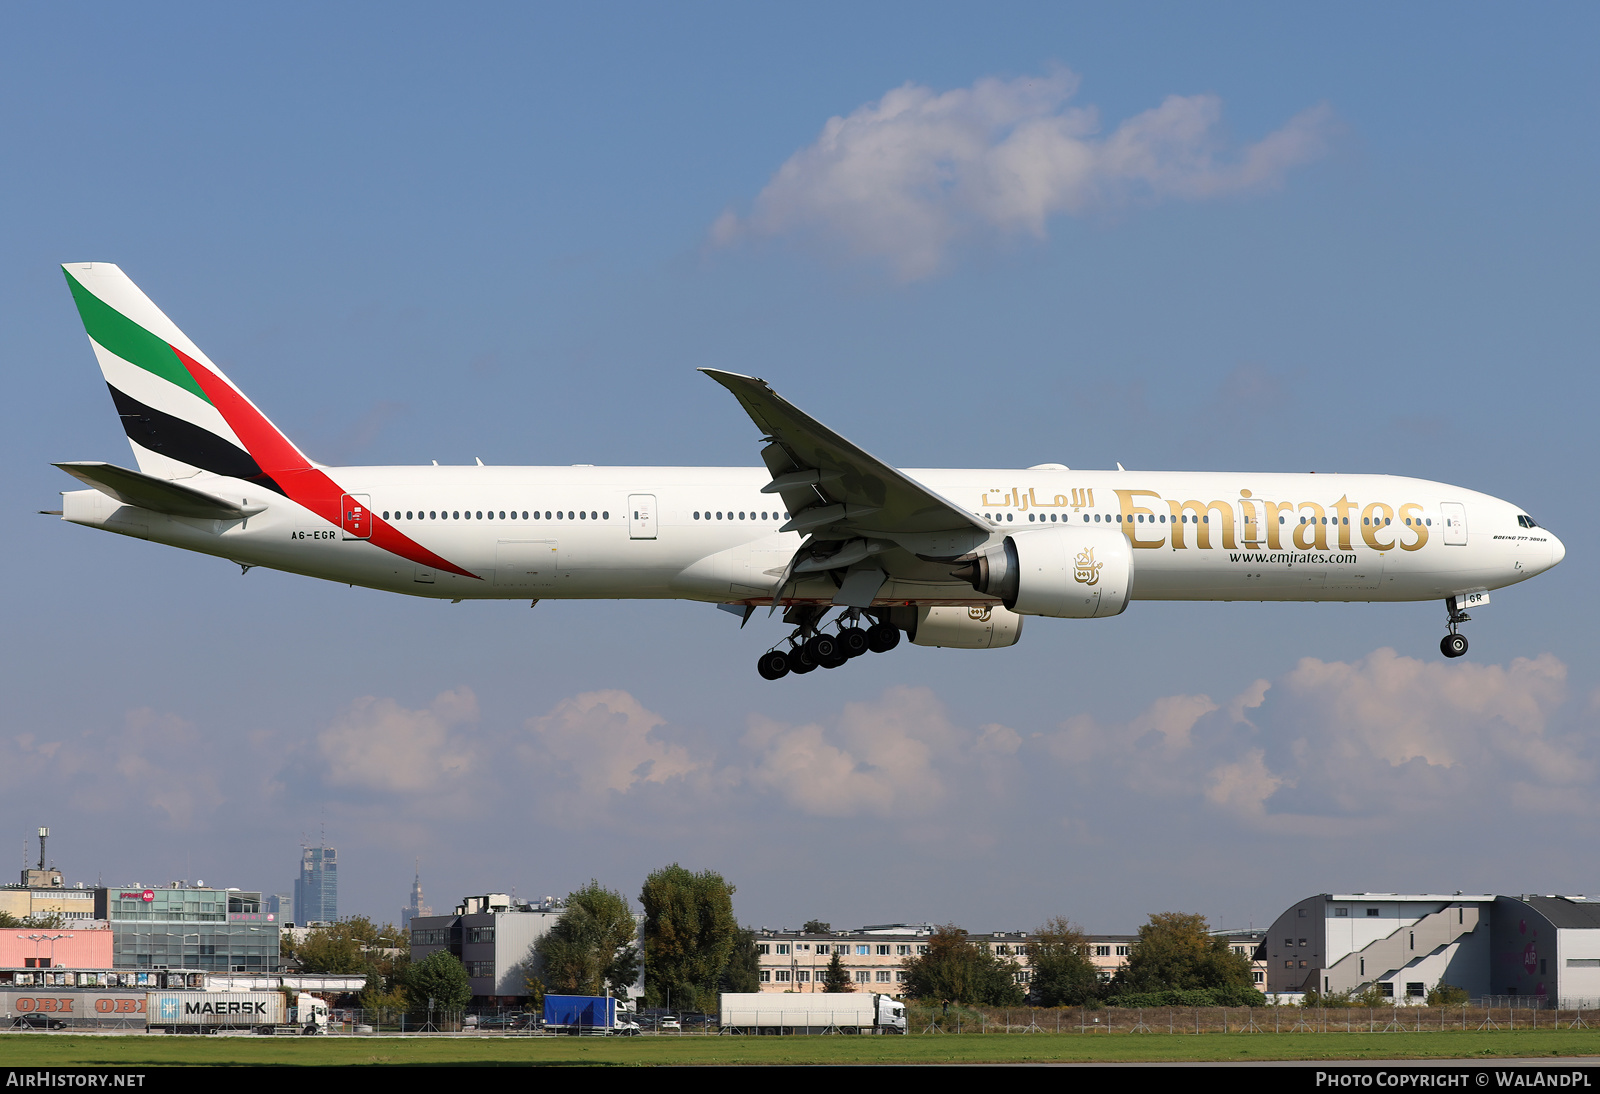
{"x": 316, "y": 890}
{"x": 417, "y": 907}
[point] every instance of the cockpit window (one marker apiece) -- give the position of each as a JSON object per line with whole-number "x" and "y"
{"x": 1526, "y": 521}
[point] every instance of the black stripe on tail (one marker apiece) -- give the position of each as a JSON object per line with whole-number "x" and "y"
{"x": 186, "y": 442}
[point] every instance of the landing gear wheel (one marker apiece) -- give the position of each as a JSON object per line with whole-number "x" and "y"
{"x": 826, "y": 651}
{"x": 854, "y": 641}
{"x": 774, "y": 665}
{"x": 882, "y": 637}
{"x": 801, "y": 661}
{"x": 1453, "y": 645}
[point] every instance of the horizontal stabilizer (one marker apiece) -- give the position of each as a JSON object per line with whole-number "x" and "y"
{"x": 157, "y": 495}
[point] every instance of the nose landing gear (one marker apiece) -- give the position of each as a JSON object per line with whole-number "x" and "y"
{"x": 1453, "y": 644}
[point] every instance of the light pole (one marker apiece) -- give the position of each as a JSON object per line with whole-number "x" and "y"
{"x": 50, "y": 938}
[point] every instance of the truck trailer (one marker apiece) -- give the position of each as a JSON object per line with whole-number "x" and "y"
{"x": 588, "y": 1014}
{"x": 258, "y": 1011}
{"x": 770, "y": 1013}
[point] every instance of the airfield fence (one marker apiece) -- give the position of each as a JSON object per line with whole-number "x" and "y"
{"x": 1493, "y": 1013}
{"x": 1507, "y": 1013}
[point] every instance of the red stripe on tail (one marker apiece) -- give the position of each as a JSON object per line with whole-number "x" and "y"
{"x": 288, "y": 466}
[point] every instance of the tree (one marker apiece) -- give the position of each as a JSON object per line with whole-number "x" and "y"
{"x": 690, "y": 935}
{"x": 958, "y": 970}
{"x": 837, "y": 977}
{"x": 1063, "y": 975}
{"x": 1446, "y": 995}
{"x": 355, "y": 944}
{"x": 1177, "y": 952}
{"x": 44, "y": 921}
{"x": 590, "y": 949}
{"x": 440, "y": 977}
{"x": 816, "y": 926}
{"x": 743, "y": 973}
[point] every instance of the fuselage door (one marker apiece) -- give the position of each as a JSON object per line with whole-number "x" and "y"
{"x": 355, "y": 516}
{"x": 1249, "y": 522}
{"x": 1454, "y": 515}
{"x": 641, "y": 516}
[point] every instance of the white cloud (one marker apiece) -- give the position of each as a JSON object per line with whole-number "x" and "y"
{"x": 901, "y": 179}
{"x": 1334, "y": 747}
{"x": 1244, "y": 785}
{"x": 882, "y": 756}
{"x": 607, "y": 740}
{"x": 156, "y": 765}
{"x": 1397, "y": 709}
{"x": 377, "y": 744}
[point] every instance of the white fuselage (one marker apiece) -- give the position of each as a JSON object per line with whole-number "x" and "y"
{"x": 710, "y": 534}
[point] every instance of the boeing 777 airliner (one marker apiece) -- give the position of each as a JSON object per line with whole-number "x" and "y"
{"x": 948, "y": 557}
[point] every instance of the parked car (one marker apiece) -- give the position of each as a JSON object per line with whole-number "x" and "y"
{"x": 37, "y": 1021}
{"x": 669, "y": 1024}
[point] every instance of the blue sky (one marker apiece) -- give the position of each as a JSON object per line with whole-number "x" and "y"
{"x": 1359, "y": 239}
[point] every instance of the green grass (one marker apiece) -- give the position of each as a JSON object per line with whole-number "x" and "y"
{"x": 45, "y": 1050}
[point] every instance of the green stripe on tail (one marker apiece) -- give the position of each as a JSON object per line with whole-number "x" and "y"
{"x": 128, "y": 340}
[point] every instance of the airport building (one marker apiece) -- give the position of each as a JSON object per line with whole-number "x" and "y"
{"x": 1401, "y": 943}
{"x": 189, "y": 927}
{"x": 1546, "y": 947}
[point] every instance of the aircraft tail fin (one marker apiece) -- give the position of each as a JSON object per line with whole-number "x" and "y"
{"x": 180, "y": 412}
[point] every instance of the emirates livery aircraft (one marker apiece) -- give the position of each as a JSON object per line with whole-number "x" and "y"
{"x": 945, "y": 556}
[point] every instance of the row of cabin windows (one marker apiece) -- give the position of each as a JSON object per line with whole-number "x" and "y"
{"x": 482, "y": 514}
{"x": 1186, "y": 519}
{"x": 731, "y": 515}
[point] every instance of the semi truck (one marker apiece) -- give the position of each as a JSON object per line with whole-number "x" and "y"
{"x": 258, "y": 1011}
{"x": 589, "y": 1014}
{"x": 770, "y": 1013}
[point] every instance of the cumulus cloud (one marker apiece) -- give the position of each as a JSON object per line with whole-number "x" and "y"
{"x": 885, "y": 756}
{"x": 607, "y": 740}
{"x": 1338, "y": 746}
{"x": 1391, "y": 734}
{"x": 379, "y": 745}
{"x": 155, "y": 765}
{"x": 902, "y": 179}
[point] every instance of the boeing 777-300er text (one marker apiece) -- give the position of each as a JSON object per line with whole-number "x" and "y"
{"x": 949, "y": 557}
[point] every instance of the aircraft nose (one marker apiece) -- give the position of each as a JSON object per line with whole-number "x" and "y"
{"x": 1558, "y": 550}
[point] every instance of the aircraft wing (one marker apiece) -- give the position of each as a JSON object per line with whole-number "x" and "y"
{"x": 834, "y": 489}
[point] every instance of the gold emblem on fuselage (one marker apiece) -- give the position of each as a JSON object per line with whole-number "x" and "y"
{"x": 979, "y": 615}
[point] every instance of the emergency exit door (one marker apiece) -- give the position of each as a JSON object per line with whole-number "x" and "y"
{"x": 641, "y": 516}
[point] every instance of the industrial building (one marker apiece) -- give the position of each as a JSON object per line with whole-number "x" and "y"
{"x": 493, "y": 936}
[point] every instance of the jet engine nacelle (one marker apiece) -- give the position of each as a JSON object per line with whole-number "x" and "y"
{"x": 986, "y": 627}
{"x": 1069, "y": 573}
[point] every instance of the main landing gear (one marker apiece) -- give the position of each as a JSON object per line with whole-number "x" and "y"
{"x": 810, "y": 647}
{"x": 1453, "y": 644}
